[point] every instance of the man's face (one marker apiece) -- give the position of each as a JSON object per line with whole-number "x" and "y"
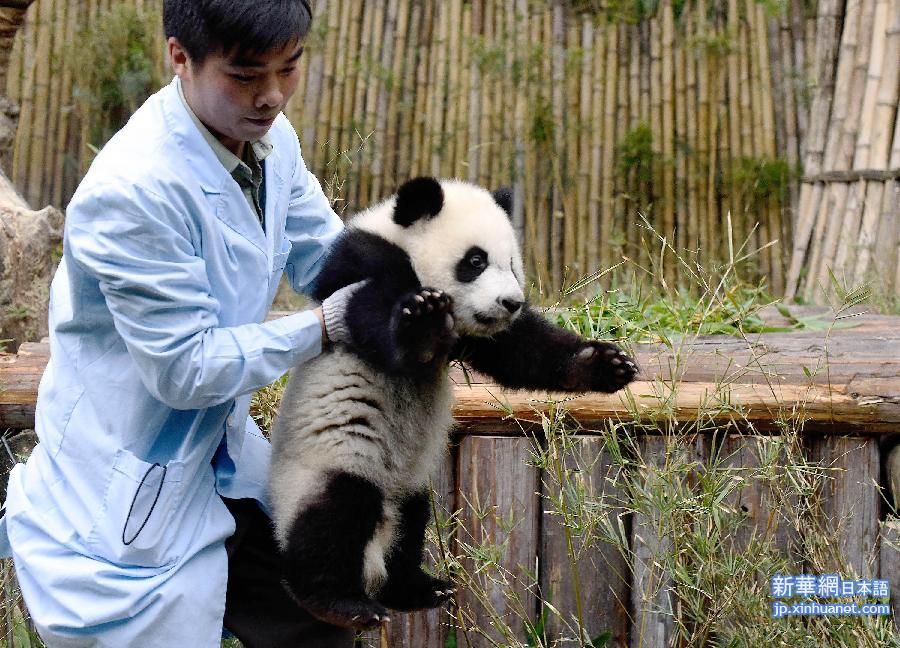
{"x": 238, "y": 97}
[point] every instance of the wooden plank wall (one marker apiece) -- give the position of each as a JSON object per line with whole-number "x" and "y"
{"x": 497, "y": 488}
{"x": 556, "y": 103}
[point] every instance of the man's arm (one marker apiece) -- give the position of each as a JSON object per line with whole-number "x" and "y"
{"x": 156, "y": 287}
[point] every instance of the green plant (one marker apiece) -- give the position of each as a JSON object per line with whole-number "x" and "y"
{"x": 113, "y": 65}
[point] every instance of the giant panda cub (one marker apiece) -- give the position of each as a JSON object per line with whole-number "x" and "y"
{"x": 363, "y": 426}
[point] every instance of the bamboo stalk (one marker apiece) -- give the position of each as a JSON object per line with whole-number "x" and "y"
{"x": 656, "y": 118}
{"x": 595, "y": 206}
{"x": 704, "y": 159}
{"x": 363, "y": 115}
{"x": 856, "y": 30}
{"x": 26, "y": 97}
{"x": 556, "y": 214}
{"x": 38, "y": 137}
{"x": 488, "y": 134}
{"x": 520, "y": 27}
{"x": 829, "y": 15}
{"x": 682, "y": 217}
{"x": 336, "y": 126}
{"x": 66, "y": 23}
{"x": 400, "y": 116}
{"x": 474, "y": 151}
{"x": 623, "y": 121}
{"x": 437, "y": 123}
{"x": 876, "y": 125}
{"x": 321, "y": 155}
{"x": 452, "y": 83}
{"x": 424, "y": 74}
{"x": 377, "y": 101}
{"x": 609, "y": 124}
{"x": 584, "y": 148}
{"x": 668, "y": 188}
{"x": 312, "y": 93}
{"x": 692, "y": 155}
{"x": 500, "y": 150}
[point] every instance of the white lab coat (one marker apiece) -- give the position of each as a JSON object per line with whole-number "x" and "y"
{"x": 157, "y": 343}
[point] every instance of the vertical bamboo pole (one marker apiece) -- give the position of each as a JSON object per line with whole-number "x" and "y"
{"x": 829, "y": 17}
{"x": 312, "y": 94}
{"x": 39, "y": 118}
{"x": 623, "y": 122}
{"x": 656, "y": 119}
{"x": 424, "y": 73}
{"x": 463, "y": 93}
{"x": 436, "y": 124}
{"x": 67, "y": 26}
{"x": 682, "y": 217}
{"x": 842, "y": 125}
{"x": 500, "y": 151}
{"x": 377, "y": 100}
{"x": 475, "y": 91}
{"x": 363, "y": 116}
{"x": 570, "y": 153}
{"x": 668, "y": 197}
{"x": 636, "y": 117}
{"x": 451, "y": 82}
{"x": 584, "y": 146}
{"x": 334, "y": 125}
{"x": 877, "y": 123}
{"x": 321, "y": 155}
{"x": 25, "y": 97}
{"x": 609, "y": 138}
{"x": 348, "y": 131}
{"x": 556, "y": 214}
{"x": 704, "y": 159}
{"x": 691, "y": 150}
{"x": 520, "y": 30}
{"x": 396, "y": 117}
{"x": 486, "y": 144}
{"x": 596, "y": 207}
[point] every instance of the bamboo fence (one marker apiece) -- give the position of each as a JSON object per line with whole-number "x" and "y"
{"x": 848, "y": 227}
{"x": 688, "y": 114}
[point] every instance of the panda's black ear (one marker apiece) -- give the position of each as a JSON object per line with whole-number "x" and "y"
{"x": 418, "y": 198}
{"x": 503, "y": 197}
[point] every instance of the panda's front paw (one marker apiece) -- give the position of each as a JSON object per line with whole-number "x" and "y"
{"x": 424, "y": 322}
{"x": 598, "y": 366}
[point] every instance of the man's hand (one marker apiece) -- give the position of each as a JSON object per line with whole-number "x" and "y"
{"x": 333, "y": 312}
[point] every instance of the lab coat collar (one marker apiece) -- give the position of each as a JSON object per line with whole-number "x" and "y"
{"x": 222, "y": 191}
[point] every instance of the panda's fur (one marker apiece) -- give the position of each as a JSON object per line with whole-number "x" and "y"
{"x": 363, "y": 426}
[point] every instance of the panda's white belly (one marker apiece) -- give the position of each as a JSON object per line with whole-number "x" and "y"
{"x": 339, "y": 414}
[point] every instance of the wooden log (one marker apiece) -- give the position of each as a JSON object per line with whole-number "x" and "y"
{"x": 767, "y": 518}
{"x": 600, "y": 570}
{"x": 890, "y": 563}
{"x": 652, "y": 600}
{"x": 498, "y": 490}
{"x": 850, "y": 502}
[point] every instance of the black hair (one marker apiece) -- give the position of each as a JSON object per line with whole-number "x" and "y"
{"x": 235, "y": 27}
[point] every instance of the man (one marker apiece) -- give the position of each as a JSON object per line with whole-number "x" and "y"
{"x": 139, "y": 508}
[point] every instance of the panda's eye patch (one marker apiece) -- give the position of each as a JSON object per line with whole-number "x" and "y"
{"x": 472, "y": 264}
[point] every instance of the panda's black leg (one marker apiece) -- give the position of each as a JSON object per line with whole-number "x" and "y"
{"x": 324, "y": 558}
{"x": 407, "y": 586}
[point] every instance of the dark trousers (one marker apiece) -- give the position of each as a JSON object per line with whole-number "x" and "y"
{"x": 258, "y": 610}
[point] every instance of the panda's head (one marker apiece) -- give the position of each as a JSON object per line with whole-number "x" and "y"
{"x": 460, "y": 240}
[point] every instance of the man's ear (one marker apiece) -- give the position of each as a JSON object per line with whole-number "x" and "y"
{"x": 178, "y": 56}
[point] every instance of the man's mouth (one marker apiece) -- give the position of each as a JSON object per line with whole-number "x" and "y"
{"x": 261, "y": 121}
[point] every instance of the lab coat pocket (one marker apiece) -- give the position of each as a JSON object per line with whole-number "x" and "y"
{"x": 279, "y": 259}
{"x": 141, "y": 498}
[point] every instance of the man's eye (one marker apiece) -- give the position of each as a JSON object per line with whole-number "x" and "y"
{"x": 288, "y": 71}
{"x": 242, "y": 78}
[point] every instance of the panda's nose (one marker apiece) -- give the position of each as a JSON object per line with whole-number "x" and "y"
{"x": 512, "y": 305}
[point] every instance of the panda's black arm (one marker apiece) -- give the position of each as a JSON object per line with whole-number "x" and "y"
{"x": 372, "y": 311}
{"x": 535, "y": 354}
